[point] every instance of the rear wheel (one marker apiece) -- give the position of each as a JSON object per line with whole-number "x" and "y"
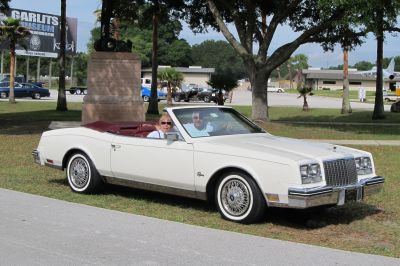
{"x": 279, "y": 91}
{"x": 146, "y": 98}
{"x": 3, "y": 95}
{"x": 78, "y": 91}
{"x": 239, "y": 199}
{"x": 36, "y": 96}
{"x": 207, "y": 99}
{"x": 177, "y": 99}
{"x": 82, "y": 175}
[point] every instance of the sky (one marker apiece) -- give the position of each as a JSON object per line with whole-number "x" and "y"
{"x": 83, "y": 10}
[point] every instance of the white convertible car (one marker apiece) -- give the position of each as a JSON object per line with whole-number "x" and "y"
{"x": 215, "y": 153}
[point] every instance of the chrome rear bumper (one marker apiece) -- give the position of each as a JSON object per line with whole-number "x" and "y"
{"x": 311, "y": 197}
{"x": 36, "y": 157}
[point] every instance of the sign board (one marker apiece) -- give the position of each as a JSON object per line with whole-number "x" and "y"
{"x": 45, "y": 31}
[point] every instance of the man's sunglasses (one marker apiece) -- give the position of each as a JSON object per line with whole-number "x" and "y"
{"x": 166, "y": 123}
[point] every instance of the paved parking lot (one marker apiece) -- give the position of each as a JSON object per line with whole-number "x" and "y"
{"x": 243, "y": 97}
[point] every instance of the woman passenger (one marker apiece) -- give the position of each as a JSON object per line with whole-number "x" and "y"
{"x": 164, "y": 126}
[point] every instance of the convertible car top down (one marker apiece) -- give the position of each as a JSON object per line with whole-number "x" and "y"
{"x": 215, "y": 153}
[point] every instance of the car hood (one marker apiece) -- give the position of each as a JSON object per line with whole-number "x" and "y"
{"x": 273, "y": 148}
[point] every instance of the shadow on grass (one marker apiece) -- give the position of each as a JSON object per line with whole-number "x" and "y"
{"x": 34, "y": 122}
{"x": 313, "y": 218}
{"x": 319, "y": 217}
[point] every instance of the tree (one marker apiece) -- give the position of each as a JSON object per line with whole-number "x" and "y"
{"x": 15, "y": 34}
{"x": 313, "y": 20}
{"x": 219, "y": 55}
{"x": 222, "y": 81}
{"x": 304, "y": 91}
{"x": 62, "y": 100}
{"x": 380, "y": 16}
{"x": 173, "y": 79}
{"x": 4, "y": 5}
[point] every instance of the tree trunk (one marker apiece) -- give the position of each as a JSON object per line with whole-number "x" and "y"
{"x": 153, "y": 104}
{"x": 379, "y": 107}
{"x": 259, "y": 83}
{"x": 305, "y": 103}
{"x": 169, "y": 95}
{"x": 346, "y": 108}
{"x": 220, "y": 98}
{"x": 11, "y": 96}
{"x": 62, "y": 100}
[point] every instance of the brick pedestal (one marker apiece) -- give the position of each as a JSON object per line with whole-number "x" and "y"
{"x": 113, "y": 88}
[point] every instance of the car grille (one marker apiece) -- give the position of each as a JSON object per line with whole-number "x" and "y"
{"x": 340, "y": 172}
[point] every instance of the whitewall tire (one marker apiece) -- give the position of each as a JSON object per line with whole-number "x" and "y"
{"x": 82, "y": 175}
{"x": 239, "y": 199}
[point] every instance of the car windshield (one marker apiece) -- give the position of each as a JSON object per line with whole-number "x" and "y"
{"x": 213, "y": 121}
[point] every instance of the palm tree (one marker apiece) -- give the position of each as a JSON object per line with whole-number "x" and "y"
{"x": 62, "y": 100}
{"x": 173, "y": 79}
{"x": 304, "y": 91}
{"x": 12, "y": 31}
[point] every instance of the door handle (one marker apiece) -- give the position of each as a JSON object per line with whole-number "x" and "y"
{"x": 114, "y": 146}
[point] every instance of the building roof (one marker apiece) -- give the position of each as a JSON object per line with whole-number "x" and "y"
{"x": 337, "y": 74}
{"x": 185, "y": 69}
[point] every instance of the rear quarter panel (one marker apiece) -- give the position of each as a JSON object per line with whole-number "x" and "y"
{"x": 55, "y": 144}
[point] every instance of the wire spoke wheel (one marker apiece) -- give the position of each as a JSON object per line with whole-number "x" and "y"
{"x": 79, "y": 172}
{"x": 235, "y": 197}
{"x": 238, "y": 198}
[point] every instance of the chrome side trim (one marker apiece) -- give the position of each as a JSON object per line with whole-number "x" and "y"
{"x": 58, "y": 167}
{"x": 156, "y": 188}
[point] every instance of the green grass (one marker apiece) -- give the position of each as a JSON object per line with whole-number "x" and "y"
{"x": 370, "y": 227}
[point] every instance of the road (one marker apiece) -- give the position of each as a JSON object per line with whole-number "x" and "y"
{"x": 244, "y": 98}
{"x": 36, "y": 230}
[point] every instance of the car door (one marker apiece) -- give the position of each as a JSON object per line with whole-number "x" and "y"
{"x": 20, "y": 91}
{"x": 153, "y": 161}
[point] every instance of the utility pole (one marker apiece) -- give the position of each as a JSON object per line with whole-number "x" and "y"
{"x": 27, "y": 68}
{"x": 290, "y": 76}
{"x": 72, "y": 71}
{"x": 38, "y": 70}
{"x": 50, "y": 69}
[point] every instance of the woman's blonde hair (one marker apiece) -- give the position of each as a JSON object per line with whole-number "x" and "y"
{"x": 165, "y": 116}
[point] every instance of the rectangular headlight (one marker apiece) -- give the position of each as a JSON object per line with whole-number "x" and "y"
{"x": 310, "y": 173}
{"x": 363, "y": 165}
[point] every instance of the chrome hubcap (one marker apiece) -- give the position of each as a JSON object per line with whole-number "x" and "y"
{"x": 79, "y": 172}
{"x": 235, "y": 197}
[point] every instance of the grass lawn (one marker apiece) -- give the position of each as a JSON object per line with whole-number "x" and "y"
{"x": 372, "y": 226}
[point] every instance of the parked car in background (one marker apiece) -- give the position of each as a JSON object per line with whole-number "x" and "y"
{"x": 146, "y": 92}
{"x": 23, "y": 90}
{"x": 275, "y": 89}
{"x": 220, "y": 155}
{"x": 19, "y": 79}
{"x": 197, "y": 93}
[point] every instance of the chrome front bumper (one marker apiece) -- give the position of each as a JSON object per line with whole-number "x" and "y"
{"x": 311, "y": 197}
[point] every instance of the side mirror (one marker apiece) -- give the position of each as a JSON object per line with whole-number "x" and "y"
{"x": 172, "y": 136}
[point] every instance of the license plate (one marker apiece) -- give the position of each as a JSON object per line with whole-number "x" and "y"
{"x": 353, "y": 195}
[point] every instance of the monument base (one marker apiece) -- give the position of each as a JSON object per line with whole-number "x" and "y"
{"x": 113, "y": 93}
{"x": 112, "y": 112}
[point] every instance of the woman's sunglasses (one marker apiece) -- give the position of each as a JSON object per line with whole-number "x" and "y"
{"x": 166, "y": 123}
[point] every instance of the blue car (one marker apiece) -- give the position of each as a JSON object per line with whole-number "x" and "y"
{"x": 145, "y": 93}
{"x": 23, "y": 90}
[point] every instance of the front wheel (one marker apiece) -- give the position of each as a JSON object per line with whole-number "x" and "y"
{"x": 78, "y": 91}
{"x": 82, "y": 175}
{"x": 146, "y": 98}
{"x": 239, "y": 199}
{"x": 177, "y": 99}
{"x": 36, "y": 96}
{"x": 207, "y": 99}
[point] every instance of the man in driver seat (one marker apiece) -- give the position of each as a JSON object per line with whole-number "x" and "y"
{"x": 198, "y": 127}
